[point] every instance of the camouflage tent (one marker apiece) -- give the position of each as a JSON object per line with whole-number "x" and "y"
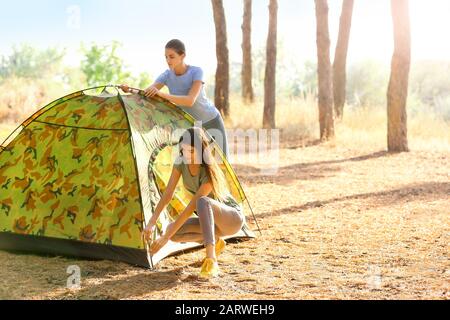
{"x": 83, "y": 175}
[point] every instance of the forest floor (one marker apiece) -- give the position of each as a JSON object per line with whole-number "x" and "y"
{"x": 337, "y": 222}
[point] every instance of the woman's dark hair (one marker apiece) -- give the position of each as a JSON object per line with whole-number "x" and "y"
{"x": 177, "y": 46}
{"x": 196, "y": 138}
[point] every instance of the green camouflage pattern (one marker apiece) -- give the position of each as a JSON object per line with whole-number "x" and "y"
{"x": 73, "y": 182}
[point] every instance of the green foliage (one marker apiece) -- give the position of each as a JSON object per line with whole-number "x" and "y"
{"x": 102, "y": 65}
{"x": 143, "y": 81}
{"x": 306, "y": 81}
{"x": 429, "y": 87}
{"x": 367, "y": 83}
{"x": 28, "y": 62}
{"x": 292, "y": 79}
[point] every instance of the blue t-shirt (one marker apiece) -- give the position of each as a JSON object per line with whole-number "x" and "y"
{"x": 202, "y": 109}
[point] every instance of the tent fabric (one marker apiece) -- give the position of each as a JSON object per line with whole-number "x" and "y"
{"x": 84, "y": 174}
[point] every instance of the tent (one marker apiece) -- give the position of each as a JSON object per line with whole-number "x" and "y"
{"x": 83, "y": 175}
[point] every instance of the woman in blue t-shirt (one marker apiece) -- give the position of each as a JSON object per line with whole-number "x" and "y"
{"x": 186, "y": 89}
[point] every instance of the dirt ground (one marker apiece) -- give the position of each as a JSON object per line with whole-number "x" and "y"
{"x": 336, "y": 222}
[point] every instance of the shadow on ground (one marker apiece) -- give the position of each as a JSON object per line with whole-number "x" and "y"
{"x": 431, "y": 190}
{"x": 251, "y": 175}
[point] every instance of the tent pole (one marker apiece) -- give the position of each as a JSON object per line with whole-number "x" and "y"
{"x": 251, "y": 210}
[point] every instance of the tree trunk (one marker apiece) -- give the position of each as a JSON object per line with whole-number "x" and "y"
{"x": 247, "y": 88}
{"x": 271, "y": 64}
{"x": 340, "y": 58}
{"x": 221, "y": 93}
{"x": 326, "y": 119}
{"x": 398, "y": 83}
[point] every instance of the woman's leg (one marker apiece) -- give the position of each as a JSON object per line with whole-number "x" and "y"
{"x": 213, "y": 213}
{"x": 216, "y": 128}
{"x": 191, "y": 231}
{"x": 215, "y": 219}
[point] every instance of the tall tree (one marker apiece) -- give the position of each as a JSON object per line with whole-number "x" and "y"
{"x": 221, "y": 94}
{"x": 246, "y": 76}
{"x": 326, "y": 118}
{"x": 398, "y": 83}
{"x": 340, "y": 58}
{"x": 271, "y": 66}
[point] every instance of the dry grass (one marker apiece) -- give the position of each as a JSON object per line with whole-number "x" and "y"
{"x": 361, "y": 127}
{"x": 339, "y": 220}
{"x": 21, "y": 97}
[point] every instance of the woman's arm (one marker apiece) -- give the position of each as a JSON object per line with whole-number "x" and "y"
{"x": 156, "y": 85}
{"x": 184, "y": 101}
{"x": 167, "y": 195}
{"x": 204, "y": 190}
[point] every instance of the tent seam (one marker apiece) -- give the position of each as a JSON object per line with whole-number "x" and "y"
{"x": 134, "y": 155}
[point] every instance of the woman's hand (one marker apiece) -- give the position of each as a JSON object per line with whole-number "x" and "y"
{"x": 148, "y": 231}
{"x": 125, "y": 88}
{"x": 158, "y": 244}
{"x": 151, "y": 91}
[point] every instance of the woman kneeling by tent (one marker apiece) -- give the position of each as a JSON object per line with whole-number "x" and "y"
{"x": 218, "y": 212}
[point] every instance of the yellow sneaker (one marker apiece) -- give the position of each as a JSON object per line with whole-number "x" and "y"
{"x": 210, "y": 268}
{"x": 219, "y": 247}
